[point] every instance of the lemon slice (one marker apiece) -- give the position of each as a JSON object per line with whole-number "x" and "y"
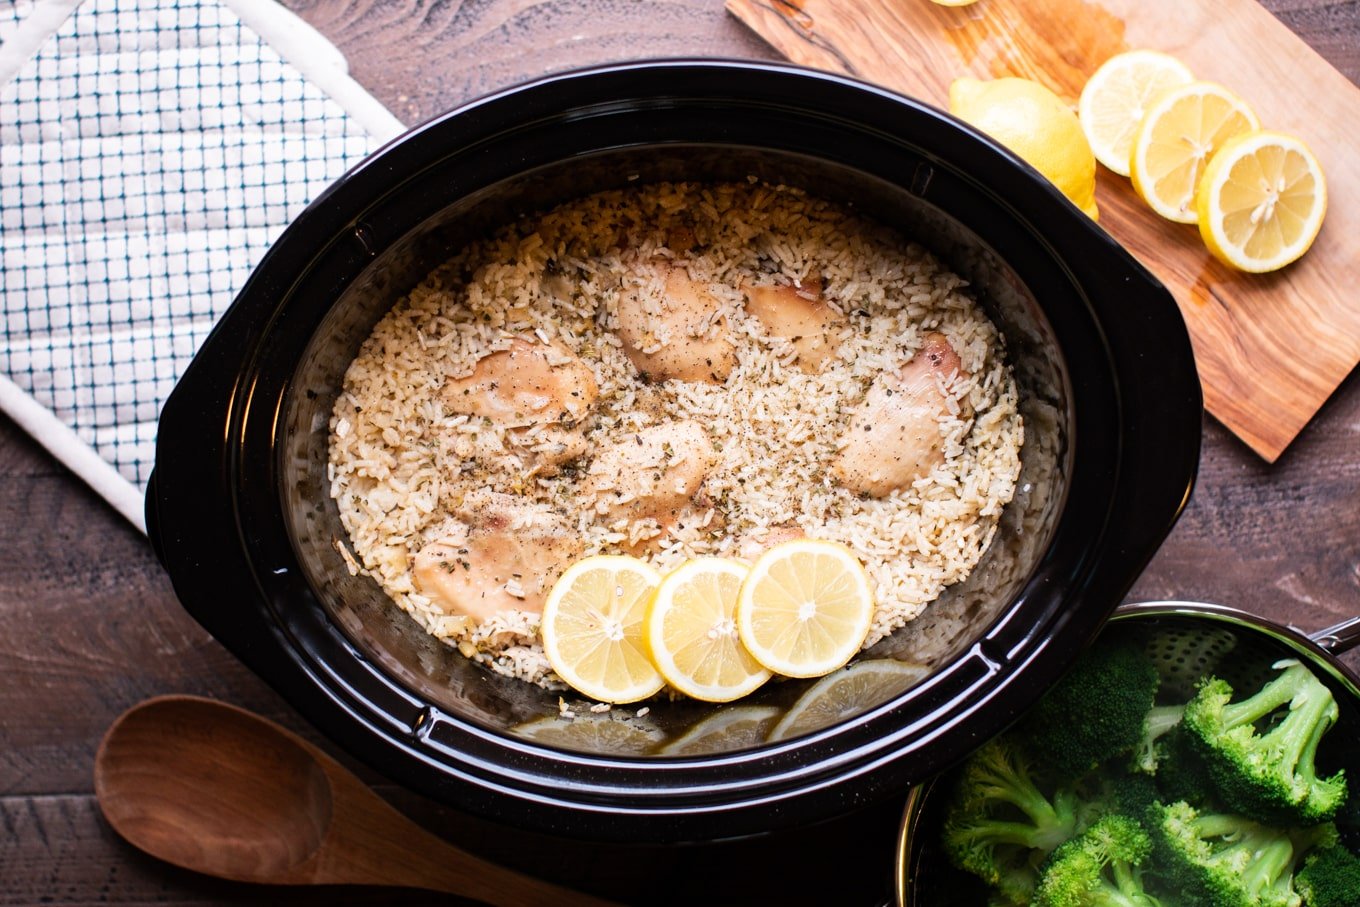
{"x": 846, "y": 694}
{"x": 692, "y": 631}
{"x": 1117, "y": 94}
{"x": 593, "y": 628}
{"x": 735, "y": 728}
{"x": 1261, "y": 201}
{"x": 1180, "y": 132}
{"x": 805, "y": 608}
{"x": 592, "y": 734}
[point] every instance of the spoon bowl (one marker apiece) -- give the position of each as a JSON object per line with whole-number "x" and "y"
{"x": 218, "y": 790}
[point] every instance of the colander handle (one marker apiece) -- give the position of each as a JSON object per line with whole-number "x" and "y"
{"x": 1339, "y": 638}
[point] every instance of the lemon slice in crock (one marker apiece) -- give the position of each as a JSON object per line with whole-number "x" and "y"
{"x": 592, "y": 734}
{"x": 846, "y": 694}
{"x": 692, "y": 631}
{"x": 593, "y": 628}
{"x": 732, "y": 728}
{"x": 805, "y": 608}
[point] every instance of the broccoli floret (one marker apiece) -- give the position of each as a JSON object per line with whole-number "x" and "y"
{"x": 1159, "y": 721}
{"x": 1000, "y": 826}
{"x": 1181, "y": 773}
{"x": 1098, "y": 868}
{"x": 1269, "y": 773}
{"x": 1221, "y": 859}
{"x": 1330, "y": 878}
{"x": 1116, "y": 790}
{"x": 1096, "y": 712}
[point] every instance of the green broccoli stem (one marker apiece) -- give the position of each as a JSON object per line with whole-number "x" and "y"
{"x": 1218, "y": 825}
{"x": 1270, "y": 697}
{"x": 1160, "y": 721}
{"x": 1265, "y": 857}
{"x": 1024, "y": 835}
{"x": 1052, "y": 821}
{"x": 1109, "y": 897}
{"x": 1300, "y": 733}
{"x": 1124, "y": 879}
{"x": 1266, "y": 865}
{"x": 1128, "y": 890}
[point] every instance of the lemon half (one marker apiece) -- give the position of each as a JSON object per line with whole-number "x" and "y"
{"x": 1182, "y": 129}
{"x": 1261, "y": 201}
{"x": 1116, "y": 97}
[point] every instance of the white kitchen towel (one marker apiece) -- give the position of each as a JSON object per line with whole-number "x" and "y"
{"x": 150, "y": 151}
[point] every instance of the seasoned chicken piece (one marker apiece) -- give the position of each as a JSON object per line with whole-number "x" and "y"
{"x": 530, "y": 383}
{"x": 652, "y": 474}
{"x": 538, "y": 391}
{"x": 894, "y": 437}
{"x": 801, "y": 316}
{"x": 500, "y": 554}
{"x": 692, "y": 336}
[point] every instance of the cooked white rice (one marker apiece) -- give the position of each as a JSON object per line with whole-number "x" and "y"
{"x": 400, "y": 465}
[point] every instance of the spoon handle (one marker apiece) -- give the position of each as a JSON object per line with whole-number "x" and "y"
{"x": 370, "y": 842}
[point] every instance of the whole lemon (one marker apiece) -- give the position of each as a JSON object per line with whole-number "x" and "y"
{"x": 1033, "y": 122}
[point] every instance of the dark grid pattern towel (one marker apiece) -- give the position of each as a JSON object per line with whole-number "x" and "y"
{"x": 150, "y": 151}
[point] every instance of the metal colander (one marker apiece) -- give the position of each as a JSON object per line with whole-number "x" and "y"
{"x": 1186, "y": 640}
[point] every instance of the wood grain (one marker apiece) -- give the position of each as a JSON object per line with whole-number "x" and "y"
{"x": 59, "y": 850}
{"x": 1270, "y": 348}
{"x": 89, "y": 624}
{"x": 421, "y": 59}
{"x": 209, "y": 786}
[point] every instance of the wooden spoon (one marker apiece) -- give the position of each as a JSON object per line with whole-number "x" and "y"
{"x": 213, "y": 788}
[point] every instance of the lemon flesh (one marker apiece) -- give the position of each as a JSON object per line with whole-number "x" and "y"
{"x": 732, "y": 728}
{"x": 593, "y": 626}
{"x": 805, "y": 608}
{"x": 845, "y": 694}
{"x": 1261, "y": 201}
{"x": 593, "y": 734}
{"x": 1032, "y": 121}
{"x": 1117, "y": 96}
{"x": 692, "y": 631}
{"x": 1182, "y": 129}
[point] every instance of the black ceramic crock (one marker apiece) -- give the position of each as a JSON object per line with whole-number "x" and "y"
{"x": 239, "y": 511}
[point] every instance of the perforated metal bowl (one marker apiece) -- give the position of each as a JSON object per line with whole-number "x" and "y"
{"x": 1188, "y": 640}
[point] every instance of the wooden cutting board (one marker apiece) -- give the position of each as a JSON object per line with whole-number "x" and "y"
{"x": 1270, "y": 348}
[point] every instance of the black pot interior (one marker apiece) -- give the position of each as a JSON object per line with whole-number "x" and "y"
{"x": 437, "y": 674}
{"x": 1199, "y": 641}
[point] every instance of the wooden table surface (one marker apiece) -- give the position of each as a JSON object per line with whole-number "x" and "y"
{"x": 89, "y": 625}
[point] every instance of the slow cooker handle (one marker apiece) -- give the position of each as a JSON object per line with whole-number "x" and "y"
{"x": 1339, "y": 638}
